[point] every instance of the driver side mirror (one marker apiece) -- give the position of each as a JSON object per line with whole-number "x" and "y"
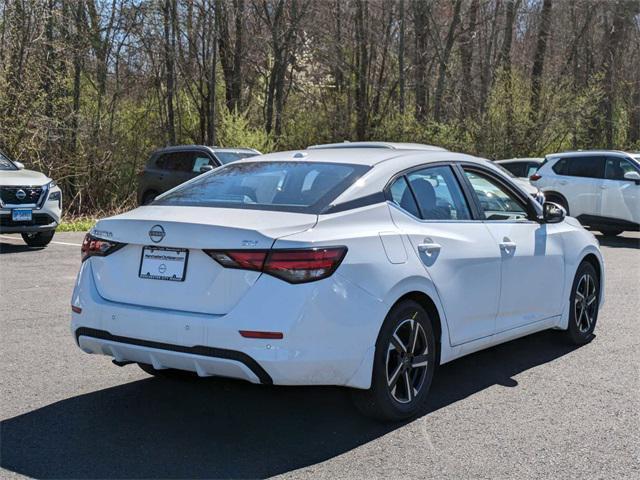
{"x": 20, "y": 165}
{"x": 633, "y": 176}
{"x": 553, "y": 213}
{"x": 206, "y": 168}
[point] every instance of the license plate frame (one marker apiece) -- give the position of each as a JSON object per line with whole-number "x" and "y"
{"x": 166, "y": 268}
{"x": 22, "y": 215}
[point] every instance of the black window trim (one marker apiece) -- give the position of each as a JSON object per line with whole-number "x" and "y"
{"x": 532, "y": 214}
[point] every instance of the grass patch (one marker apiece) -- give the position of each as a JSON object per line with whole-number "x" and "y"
{"x": 77, "y": 225}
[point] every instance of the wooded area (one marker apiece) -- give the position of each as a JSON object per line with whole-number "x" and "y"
{"x": 89, "y": 87}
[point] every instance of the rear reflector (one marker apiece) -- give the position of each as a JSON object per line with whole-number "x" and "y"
{"x": 265, "y": 335}
{"x": 75, "y": 309}
{"x": 293, "y": 266}
{"x": 535, "y": 177}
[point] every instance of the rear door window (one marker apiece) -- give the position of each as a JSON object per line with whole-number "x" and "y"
{"x": 586, "y": 167}
{"x": 306, "y": 187}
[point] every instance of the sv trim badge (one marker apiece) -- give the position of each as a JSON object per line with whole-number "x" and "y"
{"x": 156, "y": 234}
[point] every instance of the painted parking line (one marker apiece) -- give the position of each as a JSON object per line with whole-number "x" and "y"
{"x": 57, "y": 243}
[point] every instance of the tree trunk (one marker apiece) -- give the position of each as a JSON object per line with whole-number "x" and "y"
{"x": 169, "y": 54}
{"x": 444, "y": 61}
{"x": 467, "y": 39}
{"x": 538, "y": 59}
{"x": 420, "y": 14}
{"x": 362, "y": 66}
{"x": 401, "y": 73}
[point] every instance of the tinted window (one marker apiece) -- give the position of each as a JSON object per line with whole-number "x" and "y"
{"x": 227, "y": 157}
{"x": 495, "y": 201}
{"x": 517, "y": 169}
{"x": 438, "y": 194}
{"x": 560, "y": 167}
{"x": 5, "y": 163}
{"x": 402, "y": 196}
{"x": 616, "y": 167}
{"x": 177, "y": 161}
{"x": 306, "y": 187}
{"x": 591, "y": 167}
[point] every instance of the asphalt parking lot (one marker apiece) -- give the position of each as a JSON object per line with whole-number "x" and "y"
{"x": 531, "y": 408}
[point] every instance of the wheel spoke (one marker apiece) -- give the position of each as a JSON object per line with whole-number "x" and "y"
{"x": 579, "y": 296}
{"x": 420, "y": 361}
{"x": 397, "y": 343}
{"x": 408, "y": 384}
{"x": 591, "y": 299}
{"x": 394, "y": 378}
{"x": 413, "y": 336}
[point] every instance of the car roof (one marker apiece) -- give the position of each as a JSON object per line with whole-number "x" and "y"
{"x": 583, "y": 153}
{"x": 523, "y": 159}
{"x": 363, "y": 156}
{"x": 385, "y": 145}
{"x": 182, "y": 148}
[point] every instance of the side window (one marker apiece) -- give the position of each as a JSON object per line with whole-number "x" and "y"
{"x": 560, "y": 167}
{"x": 200, "y": 161}
{"x": 531, "y": 169}
{"x": 516, "y": 168}
{"x": 438, "y": 194}
{"x": 495, "y": 202}
{"x": 616, "y": 167}
{"x": 176, "y": 161}
{"x": 403, "y": 197}
{"x": 586, "y": 167}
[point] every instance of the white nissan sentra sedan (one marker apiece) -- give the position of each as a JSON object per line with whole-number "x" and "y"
{"x": 363, "y": 268}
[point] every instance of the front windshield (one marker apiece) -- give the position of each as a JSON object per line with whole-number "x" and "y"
{"x": 306, "y": 187}
{"x": 5, "y": 163}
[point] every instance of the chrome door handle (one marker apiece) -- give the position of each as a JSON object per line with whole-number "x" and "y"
{"x": 562, "y": 182}
{"x": 603, "y": 187}
{"x": 508, "y": 246}
{"x": 429, "y": 248}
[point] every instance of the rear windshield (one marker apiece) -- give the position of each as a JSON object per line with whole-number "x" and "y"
{"x": 305, "y": 187}
{"x": 228, "y": 157}
{"x": 5, "y": 163}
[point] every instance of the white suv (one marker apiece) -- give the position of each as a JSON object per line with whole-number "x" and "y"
{"x": 30, "y": 203}
{"x": 600, "y": 188}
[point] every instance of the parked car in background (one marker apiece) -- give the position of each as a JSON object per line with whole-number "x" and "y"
{"x": 521, "y": 167}
{"x": 30, "y": 203}
{"x": 601, "y": 188}
{"x": 170, "y": 166}
{"x": 364, "y": 268}
{"x": 523, "y": 183}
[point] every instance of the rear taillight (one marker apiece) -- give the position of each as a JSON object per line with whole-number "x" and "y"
{"x": 293, "y": 266}
{"x": 98, "y": 247}
{"x": 535, "y": 177}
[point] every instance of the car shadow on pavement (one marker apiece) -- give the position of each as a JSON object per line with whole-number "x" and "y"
{"x": 15, "y": 248}
{"x": 215, "y": 428}
{"x": 619, "y": 242}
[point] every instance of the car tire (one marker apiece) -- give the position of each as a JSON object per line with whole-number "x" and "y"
{"x": 403, "y": 367}
{"x": 611, "y": 232}
{"x": 38, "y": 239}
{"x": 583, "y": 303}
{"x": 148, "y": 197}
{"x": 166, "y": 372}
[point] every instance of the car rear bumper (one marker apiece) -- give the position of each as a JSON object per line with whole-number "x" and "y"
{"x": 329, "y": 331}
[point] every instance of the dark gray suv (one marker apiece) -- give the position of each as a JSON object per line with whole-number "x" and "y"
{"x": 171, "y": 166}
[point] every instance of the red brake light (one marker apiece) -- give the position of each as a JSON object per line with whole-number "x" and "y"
{"x": 293, "y": 266}
{"x": 98, "y": 247}
{"x": 264, "y": 335}
{"x": 244, "y": 259}
{"x": 535, "y": 177}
